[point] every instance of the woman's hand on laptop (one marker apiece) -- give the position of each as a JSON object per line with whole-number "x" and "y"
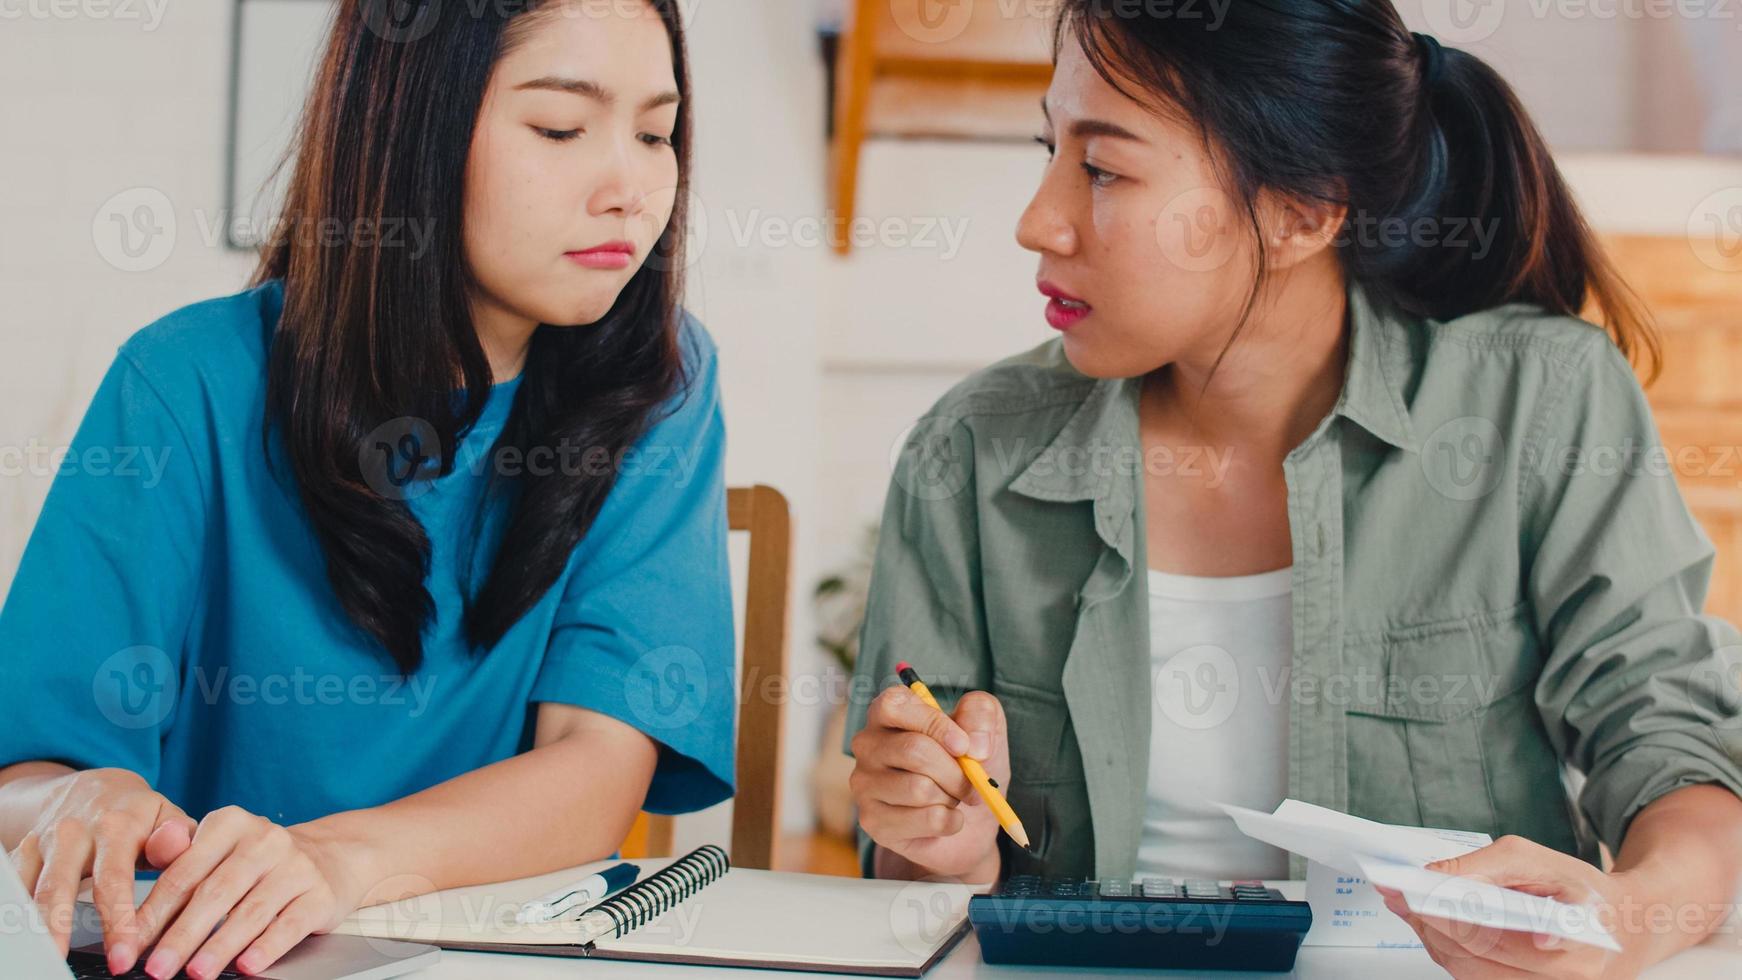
{"x": 105, "y": 823}
{"x": 271, "y": 886}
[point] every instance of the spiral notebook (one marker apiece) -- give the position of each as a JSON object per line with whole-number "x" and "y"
{"x": 697, "y": 909}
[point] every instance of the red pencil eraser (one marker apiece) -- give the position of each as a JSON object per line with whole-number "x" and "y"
{"x": 904, "y": 665}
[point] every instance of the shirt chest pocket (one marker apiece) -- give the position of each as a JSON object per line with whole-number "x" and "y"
{"x": 1428, "y": 716}
{"x": 1043, "y": 742}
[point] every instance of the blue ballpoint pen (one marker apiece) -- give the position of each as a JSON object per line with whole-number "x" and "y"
{"x": 585, "y": 892}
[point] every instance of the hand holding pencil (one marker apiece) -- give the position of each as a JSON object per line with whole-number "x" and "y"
{"x": 929, "y": 784}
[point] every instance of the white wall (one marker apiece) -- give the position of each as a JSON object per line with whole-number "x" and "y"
{"x": 92, "y": 108}
{"x": 759, "y": 116}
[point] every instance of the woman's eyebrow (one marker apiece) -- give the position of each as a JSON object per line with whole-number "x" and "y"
{"x": 590, "y": 89}
{"x": 1086, "y": 128}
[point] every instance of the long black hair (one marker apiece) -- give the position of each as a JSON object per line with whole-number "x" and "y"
{"x": 1336, "y": 101}
{"x": 372, "y": 334}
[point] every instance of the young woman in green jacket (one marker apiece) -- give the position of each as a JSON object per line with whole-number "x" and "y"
{"x": 1324, "y": 492}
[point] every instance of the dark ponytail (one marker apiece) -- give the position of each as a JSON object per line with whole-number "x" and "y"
{"x": 1339, "y": 103}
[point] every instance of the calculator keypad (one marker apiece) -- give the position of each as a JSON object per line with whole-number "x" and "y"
{"x": 1145, "y": 922}
{"x": 1162, "y": 889}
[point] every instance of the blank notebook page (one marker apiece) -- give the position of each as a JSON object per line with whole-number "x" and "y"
{"x": 779, "y": 917}
{"x": 744, "y": 916}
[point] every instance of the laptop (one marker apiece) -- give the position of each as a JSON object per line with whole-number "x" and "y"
{"x": 27, "y": 951}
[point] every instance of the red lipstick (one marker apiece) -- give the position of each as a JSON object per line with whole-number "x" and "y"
{"x": 1064, "y": 311}
{"x": 611, "y": 255}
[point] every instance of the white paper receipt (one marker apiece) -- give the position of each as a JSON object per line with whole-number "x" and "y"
{"x": 1348, "y": 855}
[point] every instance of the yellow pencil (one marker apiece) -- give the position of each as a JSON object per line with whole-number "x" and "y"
{"x": 986, "y": 785}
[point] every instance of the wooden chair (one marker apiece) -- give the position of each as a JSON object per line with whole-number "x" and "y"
{"x": 967, "y": 69}
{"x": 763, "y": 513}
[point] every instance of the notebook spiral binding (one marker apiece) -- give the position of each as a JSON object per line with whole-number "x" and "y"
{"x": 665, "y": 889}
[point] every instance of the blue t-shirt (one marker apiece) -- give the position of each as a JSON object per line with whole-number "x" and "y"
{"x": 172, "y": 613}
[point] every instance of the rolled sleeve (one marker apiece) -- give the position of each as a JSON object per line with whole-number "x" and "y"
{"x": 924, "y": 602}
{"x": 1639, "y": 690}
{"x": 644, "y": 631}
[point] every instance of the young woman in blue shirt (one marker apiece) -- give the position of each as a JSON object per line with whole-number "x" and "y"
{"x": 387, "y": 617}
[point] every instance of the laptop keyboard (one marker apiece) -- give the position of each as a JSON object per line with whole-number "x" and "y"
{"x": 92, "y": 966}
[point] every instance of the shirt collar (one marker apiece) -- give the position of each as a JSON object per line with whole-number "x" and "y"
{"x": 1084, "y": 461}
{"x": 1378, "y": 364}
{"x": 1078, "y": 464}
{"x": 1101, "y": 439}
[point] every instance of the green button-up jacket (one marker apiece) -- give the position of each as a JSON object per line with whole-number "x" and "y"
{"x": 1497, "y": 591}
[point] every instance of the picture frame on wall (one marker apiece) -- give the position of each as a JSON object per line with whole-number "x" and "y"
{"x": 275, "y": 45}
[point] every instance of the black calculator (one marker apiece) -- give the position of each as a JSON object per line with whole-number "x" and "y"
{"x": 1150, "y": 923}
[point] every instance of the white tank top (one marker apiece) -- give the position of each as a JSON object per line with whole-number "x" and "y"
{"x": 1220, "y": 653}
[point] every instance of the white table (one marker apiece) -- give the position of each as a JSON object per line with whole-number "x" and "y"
{"x": 1719, "y": 958}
